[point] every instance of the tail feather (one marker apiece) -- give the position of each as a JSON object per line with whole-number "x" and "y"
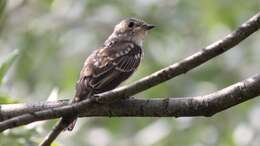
{"x": 61, "y": 125}
{"x": 66, "y": 123}
{"x": 71, "y": 125}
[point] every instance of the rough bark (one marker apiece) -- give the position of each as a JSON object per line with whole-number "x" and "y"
{"x": 206, "y": 105}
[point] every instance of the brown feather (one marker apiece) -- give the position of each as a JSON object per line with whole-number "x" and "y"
{"x": 107, "y": 67}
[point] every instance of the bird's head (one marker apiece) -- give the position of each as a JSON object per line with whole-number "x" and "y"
{"x": 132, "y": 29}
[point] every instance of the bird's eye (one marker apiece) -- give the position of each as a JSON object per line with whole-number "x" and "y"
{"x": 130, "y": 24}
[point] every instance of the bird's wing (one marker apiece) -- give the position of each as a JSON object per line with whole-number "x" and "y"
{"x": 107, "y": 67}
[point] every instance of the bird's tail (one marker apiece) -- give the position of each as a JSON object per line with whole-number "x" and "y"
{"x": 63, "y": 124}
{"x": 66, "y": 123}
{"x": 71, "y": 125}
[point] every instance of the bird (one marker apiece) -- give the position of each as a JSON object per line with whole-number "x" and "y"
{"x": 108, "y": 66}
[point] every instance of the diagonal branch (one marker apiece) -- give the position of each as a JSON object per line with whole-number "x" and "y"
{"x": 206, "y": 105}
{"x": 189, "y": 63}
{"x": 213, "y": 50}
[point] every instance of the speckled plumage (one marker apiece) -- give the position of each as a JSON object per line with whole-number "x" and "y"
{"x": 113, "y": 63}
{"x": 107, "y": 67}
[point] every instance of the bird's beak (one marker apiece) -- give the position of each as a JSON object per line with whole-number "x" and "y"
{"x": 149, "y": 26}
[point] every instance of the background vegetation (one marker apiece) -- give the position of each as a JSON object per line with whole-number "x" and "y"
{"x": 45, "y": 42}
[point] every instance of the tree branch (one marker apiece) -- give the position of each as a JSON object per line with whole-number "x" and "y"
{"x": 213, "y": 50}
{"x": 8, "y": 111}
{"x": 206, "y": 105}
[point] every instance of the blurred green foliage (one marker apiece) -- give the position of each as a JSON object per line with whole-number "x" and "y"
{"x": 5, "y": 65}
{"x": 2, "y": 12}
{"x": 55, "y": 36}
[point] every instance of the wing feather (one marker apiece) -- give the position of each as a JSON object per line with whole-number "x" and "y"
{"x": 107, "y": 67}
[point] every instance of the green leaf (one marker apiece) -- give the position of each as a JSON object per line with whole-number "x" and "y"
{"x": 5, "y": 99}
{"x": 2, "y": 6}
{"x": 5, "y": 65}
{"x": 54, "y": 144}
